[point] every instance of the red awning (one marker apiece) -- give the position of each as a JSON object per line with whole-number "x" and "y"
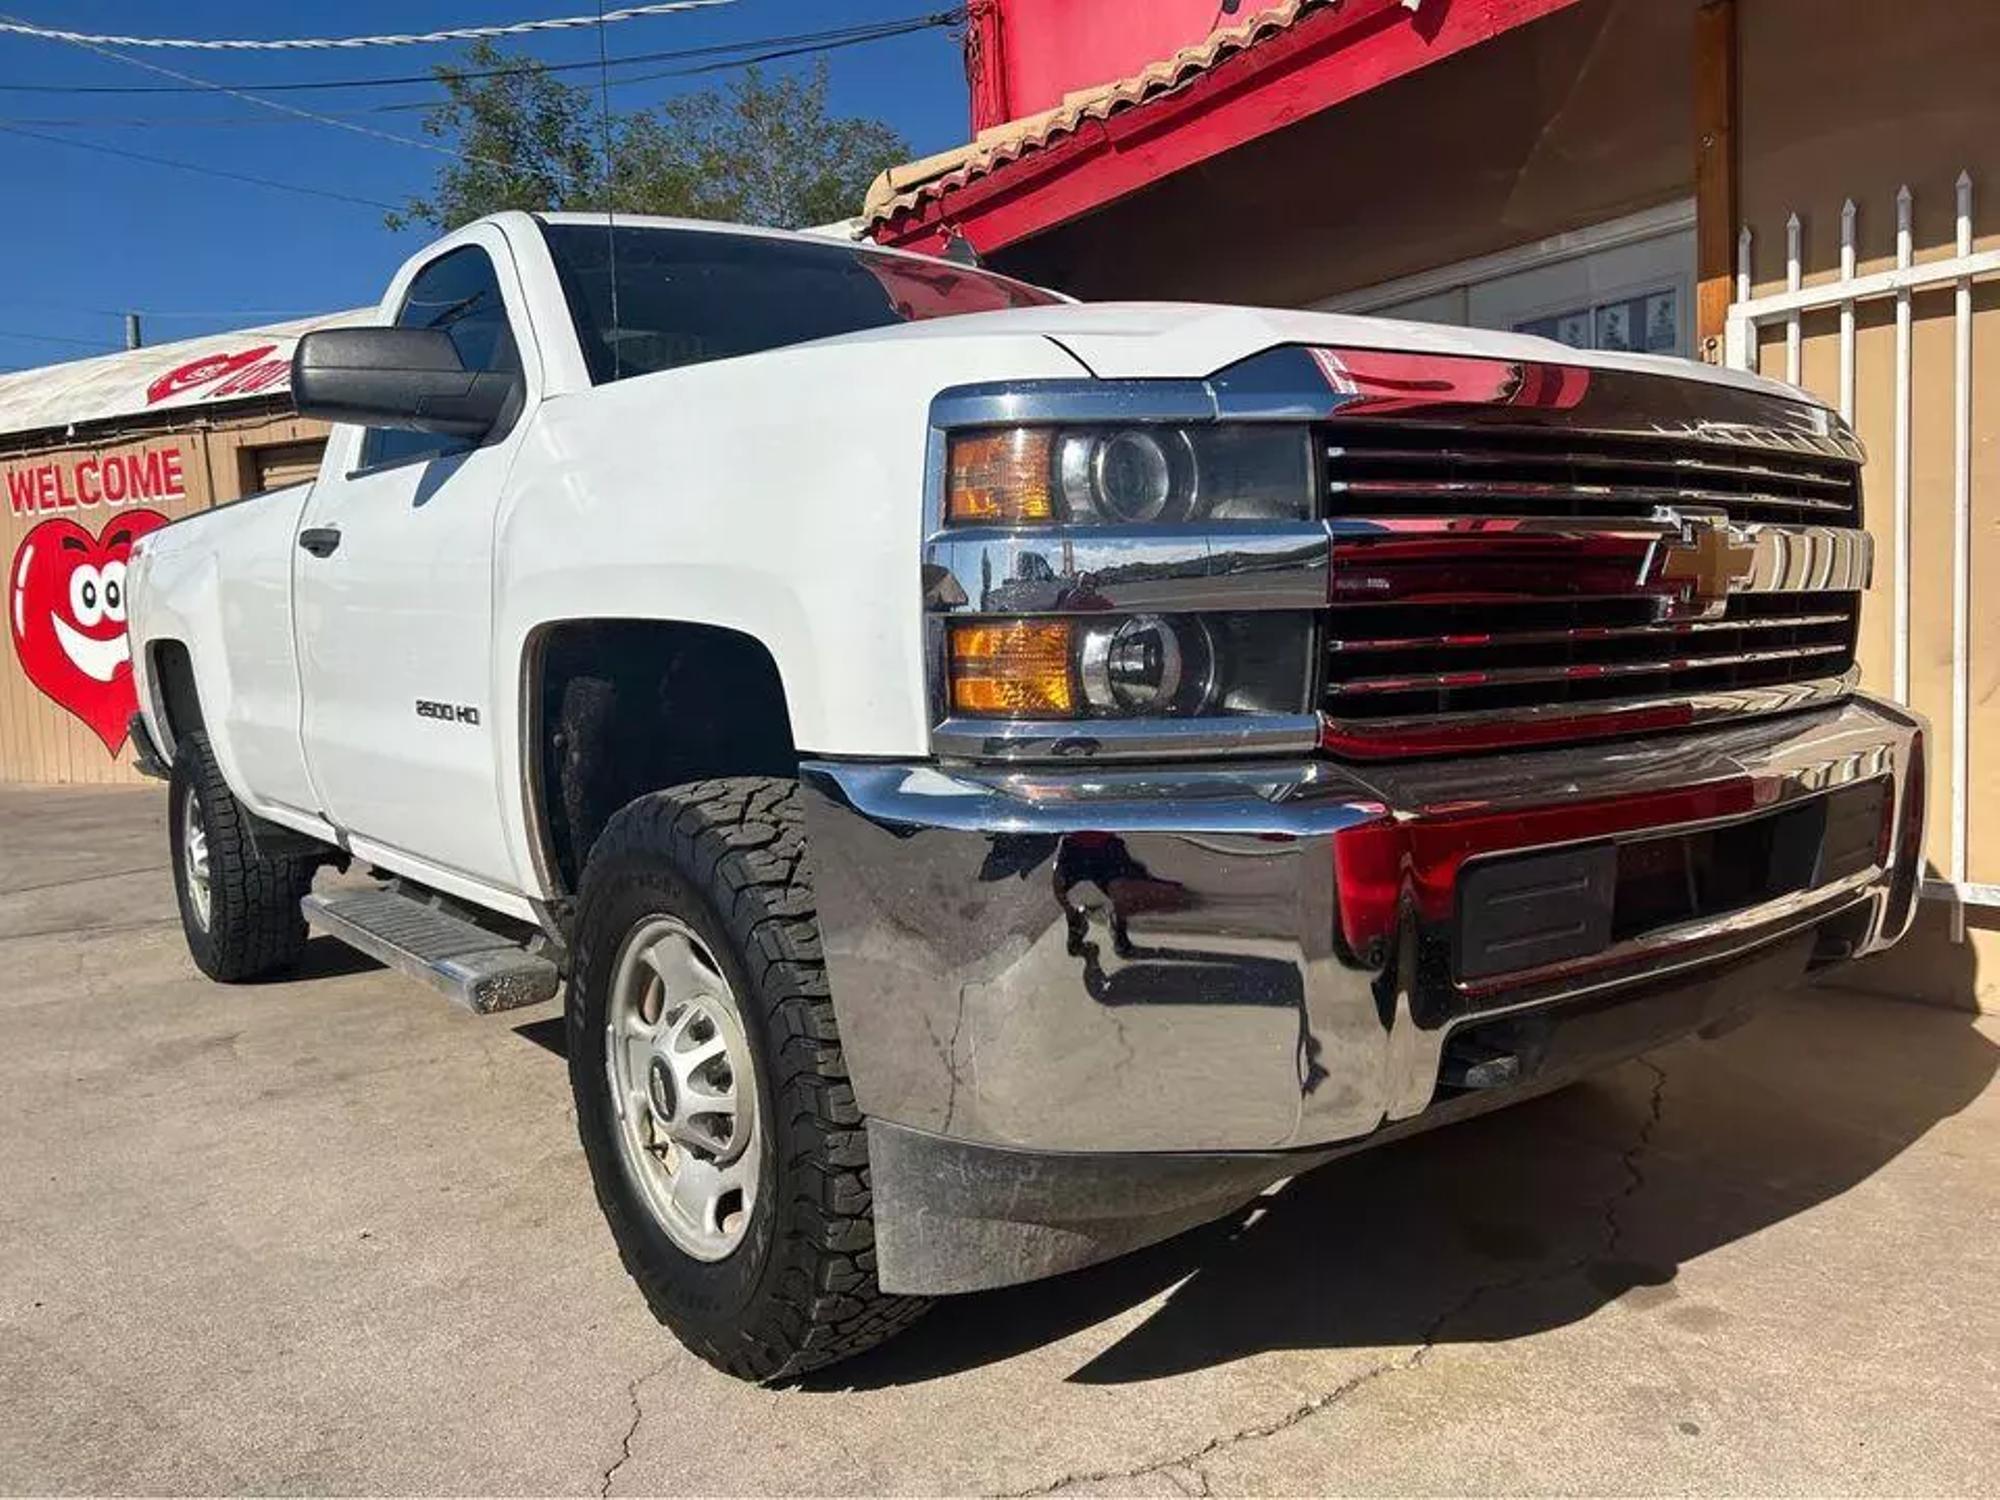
{"x": 1282, "y": 64}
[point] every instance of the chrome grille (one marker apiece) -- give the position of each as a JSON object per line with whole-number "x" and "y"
{"x": 1376, "y": 469}
{"x": 1493, "y": 582}
{"x": 1402, "y": 661}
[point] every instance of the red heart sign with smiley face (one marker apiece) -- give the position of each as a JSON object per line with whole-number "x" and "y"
{"x": 67, "y": 609}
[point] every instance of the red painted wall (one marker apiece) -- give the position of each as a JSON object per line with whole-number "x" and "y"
{"x": 1026, "y": 54}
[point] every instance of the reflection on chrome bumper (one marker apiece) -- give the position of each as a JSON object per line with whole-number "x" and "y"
{"x": 1164, "y": 959}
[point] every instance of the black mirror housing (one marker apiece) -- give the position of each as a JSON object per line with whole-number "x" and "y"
{"x": 409, "y": 378}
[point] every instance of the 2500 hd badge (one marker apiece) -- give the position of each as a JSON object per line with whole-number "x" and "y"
{"x": 451, "y": 713}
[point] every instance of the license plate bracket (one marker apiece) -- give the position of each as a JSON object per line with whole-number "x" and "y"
{"x": 1524, "y": 911}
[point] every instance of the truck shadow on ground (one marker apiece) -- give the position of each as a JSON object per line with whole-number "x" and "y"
{"x": 326, "y": 958}
{"x": 1523, "y": 1221}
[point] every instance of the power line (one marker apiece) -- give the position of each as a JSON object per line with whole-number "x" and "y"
{"x": 809, "y": 40}
{"x": 341, "y": 43}
{"x": 237, "y": 117}
{"x": 132, "y": 122}
{"x": 610, "y": 190}
{"x": 203, "y": 121}
{"x": 56, "y": 338}
{"x": 779, "y": 47}
{"x": 283, "y": 108}
{"x": 775, "y": 55}
{"x": 205, "y": 171}
{"x": 84, "y": 122}
{"x": 282, "y": 315}
{"x": 151, "y": 312}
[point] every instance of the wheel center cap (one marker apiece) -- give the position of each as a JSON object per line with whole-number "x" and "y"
{"x": 660, "y": 1089}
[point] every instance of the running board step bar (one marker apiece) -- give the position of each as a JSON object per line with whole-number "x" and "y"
{"x": 482, "y": 970}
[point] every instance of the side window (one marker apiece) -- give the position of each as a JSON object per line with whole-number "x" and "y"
{"x": 459, "y": 293}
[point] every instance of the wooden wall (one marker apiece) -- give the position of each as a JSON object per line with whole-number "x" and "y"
{"x": 1565, "y": 122}
{"x": 1843, "y": 99}
{"x": 170, "y": 469}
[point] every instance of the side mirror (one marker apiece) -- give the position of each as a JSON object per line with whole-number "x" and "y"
{"x": 410, "y": 378}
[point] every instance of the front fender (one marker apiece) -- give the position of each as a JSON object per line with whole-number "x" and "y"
{"x": 779, "y": 496}
{"x": 219, "y": 584}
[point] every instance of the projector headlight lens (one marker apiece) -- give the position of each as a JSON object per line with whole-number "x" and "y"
{"x": 1125, "y": 476}
{"x": 1148, "y": 665}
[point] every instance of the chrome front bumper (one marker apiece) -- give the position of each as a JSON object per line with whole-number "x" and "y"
{"x": 1117, "y": 960}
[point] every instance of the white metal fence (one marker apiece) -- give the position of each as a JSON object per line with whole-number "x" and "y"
{"x": 1749, "y": 316}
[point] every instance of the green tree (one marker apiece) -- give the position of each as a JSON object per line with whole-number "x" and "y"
{"x": 524, "y": 140}
{"x": 760, "y": 150}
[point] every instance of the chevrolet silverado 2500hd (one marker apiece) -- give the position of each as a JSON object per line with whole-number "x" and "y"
{"x": 1002, "y": 780}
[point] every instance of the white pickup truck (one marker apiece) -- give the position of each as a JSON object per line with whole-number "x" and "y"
{"x": 1000, "y": 781}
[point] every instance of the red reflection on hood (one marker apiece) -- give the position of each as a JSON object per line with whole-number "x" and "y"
{"x": 920, "y": 290}
{"x": 1388, "y": 382}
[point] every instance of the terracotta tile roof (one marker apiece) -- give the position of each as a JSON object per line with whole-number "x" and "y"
{"x": 903, "y": 188}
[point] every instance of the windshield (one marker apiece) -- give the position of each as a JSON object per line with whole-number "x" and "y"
{"x": 686, "y": 296}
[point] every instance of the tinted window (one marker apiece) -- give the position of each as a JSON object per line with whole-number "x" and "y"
{"x": 685, "y": 296}
{"x": 459, "y": 293}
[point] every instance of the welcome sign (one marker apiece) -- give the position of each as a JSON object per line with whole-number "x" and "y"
{"x": 66, "y": 600}
{"x": 81, "y": 483}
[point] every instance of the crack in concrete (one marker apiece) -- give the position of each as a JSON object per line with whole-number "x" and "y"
{"x": 946, "y": 1051}
{"x": 631, "y": 1432}
{"x": 92, "y": 929}
{"x": 1191, "y": 1460}
{"x": 951, "y": 1062}
{"x": 1197, "y": 1474}
{"x": 1127, "y": 1053}
{"x": 1614, "y": 1230}
{"x": 1612, "y": 1236}
{"x": 73, "y": 880}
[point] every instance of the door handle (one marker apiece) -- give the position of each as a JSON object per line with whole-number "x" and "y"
{"x": 320, "y": 541}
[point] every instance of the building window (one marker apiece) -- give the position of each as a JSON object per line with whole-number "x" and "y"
{"x": 1625, "y": 285}
{"x": 273, "y": 466}
{"x": 1646, "y": 324}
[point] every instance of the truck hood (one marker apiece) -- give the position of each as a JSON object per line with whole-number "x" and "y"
{"x": 1155, "y": 340}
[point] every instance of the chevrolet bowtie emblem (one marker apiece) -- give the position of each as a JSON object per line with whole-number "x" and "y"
{"x": 1707, "y": 561}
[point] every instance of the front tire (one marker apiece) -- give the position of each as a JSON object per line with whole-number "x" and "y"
{"x": 711, "y": 1095}
{"x": 239, "y": 907}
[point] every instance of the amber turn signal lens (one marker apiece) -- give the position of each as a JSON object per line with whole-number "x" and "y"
{"x": 1001, "y": 476}
{"x": 1016, "y": 668}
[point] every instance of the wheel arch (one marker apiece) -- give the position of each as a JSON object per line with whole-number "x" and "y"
{"x": 614, "y": 708}
{"x": 174, "y": 693}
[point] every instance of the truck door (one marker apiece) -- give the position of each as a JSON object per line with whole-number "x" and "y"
{"x": 393, "y": 581}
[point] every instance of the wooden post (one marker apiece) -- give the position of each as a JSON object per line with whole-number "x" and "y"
{"x": 1714, "y": 171}
{"x": 986, "y": 64}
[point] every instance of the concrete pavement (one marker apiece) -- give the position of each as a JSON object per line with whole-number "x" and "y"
{"x": 331, "y": 1235}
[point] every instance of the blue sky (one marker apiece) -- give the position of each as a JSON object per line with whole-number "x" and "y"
{"x": 86, "y": 235}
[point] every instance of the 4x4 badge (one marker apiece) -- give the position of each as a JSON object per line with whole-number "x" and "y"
{"x": 1708, "y": 561}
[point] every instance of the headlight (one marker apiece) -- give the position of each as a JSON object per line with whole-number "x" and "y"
{"x": 1148, "y": 665}
{"x": 1130, "y": 666}
{"x": 1137, "y": 474}
{"x": 1129, "y": 475}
